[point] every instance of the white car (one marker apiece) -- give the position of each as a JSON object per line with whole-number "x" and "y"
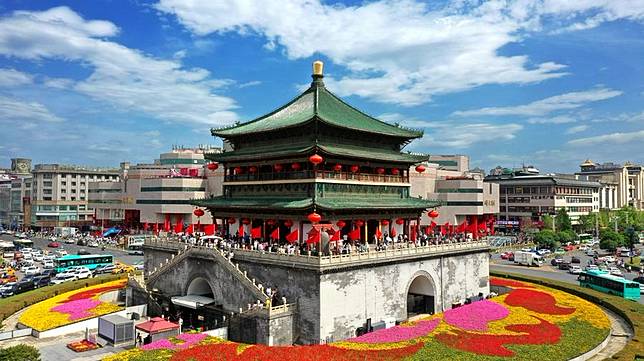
{"x": 615, "y": 272}
{"x": 82, "y": 274}
{"x": 62, "y": 252}
{"x": 61, "y": 278}
{"x": 70, "y": 241}
{"x": 592, "y": 267}
{"x": 48, "y": 264}
{"x": 609, "y": 259}
{"x": 575, "y": 270}
{"x": 38, "y": 257}
{"x": 31, "y": 271}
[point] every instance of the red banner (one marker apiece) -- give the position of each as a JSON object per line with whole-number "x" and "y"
{"x": 276, "y": 233}
{"x": 256, "y": 232}
{"x": 293, "y": 236}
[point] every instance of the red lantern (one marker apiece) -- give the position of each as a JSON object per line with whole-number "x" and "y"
{"x": 433, "y": 213}
{"x": 400, "y": 221}
{"x": 341, "y": 224}
{"x": 232, "y": 220}
{"x": 314, "y": 217}
{"x": 278, "y": 167}
{"x": 316, "y": 159}
{"x": 395, "y": 171}
{"x": 246, "y": 221}
{"x": 288, "y": 223}
{"x": 213, "y": 166}
{"x": 420, "y": 168}
{"x": 359, "y": 223}
{"x": 252, "y": 169}
{"x": 337, "y": 167}
{"x": 380, "y": 170}
{"x": 238, "y": 170}
{"x": 355, "y": 168}
{"x": 296, "y": 166}
{"x": 384, "y": 222}
{"x": 198, "y": 212}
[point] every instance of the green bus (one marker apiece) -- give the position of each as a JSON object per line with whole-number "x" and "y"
{"x": 90, "y": 261}
{"x": 604, "y": 282}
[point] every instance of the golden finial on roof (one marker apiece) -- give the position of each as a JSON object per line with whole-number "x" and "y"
{"x": 587, "y": 163}
{"x": 318, "y": 67}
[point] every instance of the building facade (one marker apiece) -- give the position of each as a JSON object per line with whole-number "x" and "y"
{"x": 15, "y": 194}
{"x": 525, "y": 198}
{"x": 60, "y": 194}
{"x": 622, "y": 185}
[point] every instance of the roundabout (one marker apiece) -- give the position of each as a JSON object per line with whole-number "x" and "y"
{"x": 527, "y": 322}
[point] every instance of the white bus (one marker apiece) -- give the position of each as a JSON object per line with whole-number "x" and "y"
{"x": 7, "y": 249}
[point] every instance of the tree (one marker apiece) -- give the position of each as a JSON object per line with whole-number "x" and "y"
{"x": 562, "y": 220}
{"x": 587, "y": 222}
{"x": 610, "y": 239}
{"x": 548, "y": 222}
{"x": 20, "y": 353}
{"x": 565, "y": 237}
{"x": 631, "y": 238}
{"x": 547, "y": 238}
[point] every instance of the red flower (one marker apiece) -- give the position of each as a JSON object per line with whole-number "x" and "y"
{"x": 91, "y": 293}
{"x": 508, "y": 283}
{"x": 536, "y": 301}
{"x": 493, "y": 345}
{"x": 228, "y": 351}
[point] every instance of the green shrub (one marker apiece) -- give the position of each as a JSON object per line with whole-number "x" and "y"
{"x": 20, "y": 353}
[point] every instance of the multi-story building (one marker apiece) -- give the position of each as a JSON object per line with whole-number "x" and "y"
{"x": 526, "y": 196}
{"x": 453, "y": 162}
{"x": 60, "y": 194}
{"x": 463, "y": 194}
{"x": 158, "y": 193}
{"x": 15, "y": 193}
{"x": 622, "y": 185}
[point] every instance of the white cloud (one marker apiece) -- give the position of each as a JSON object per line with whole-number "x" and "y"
{"x": 560, "y": 119}
{"x": 16, "y": 112}
{"x": 397, "y": 51}
{"x": 576, "y": 129}
{"x": 545, "y": 106}
{"x": 121, "y": 76}
{"x": 58, "y": 83}
{"x": 612, "y": 138}
{"x": 12, "y": 77}
{"x": 249, "y": 83}
{"x": 404, "y": 51}
{"x": 462, "y": 135}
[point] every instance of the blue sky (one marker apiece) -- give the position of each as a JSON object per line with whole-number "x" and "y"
{"x": 545, "y": 82}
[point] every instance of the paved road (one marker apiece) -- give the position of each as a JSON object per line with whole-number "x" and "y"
{"x": 119, "y": 255}
{"x": 548, "y": 271}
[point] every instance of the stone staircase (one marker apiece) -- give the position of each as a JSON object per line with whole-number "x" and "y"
{"x": 213, "y": 254}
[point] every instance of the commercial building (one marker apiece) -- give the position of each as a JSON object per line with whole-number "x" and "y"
{"x": 60, "y": 194}
{"x": 158, "y": 193}
{"x": 463, "y": 194}
{"x": 622, "y": 185}
{"x": 526, "y": 195}
{"x": 15, "y": 194}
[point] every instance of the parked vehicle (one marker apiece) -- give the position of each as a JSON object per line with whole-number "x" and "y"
{"x": 574, "y": 269}
{"x": 569, "y": 248}
{"x": 8, "y": 289}
{"x": 609, "y": 259}
{"x": 640, "y": 280}
{"x": 62, "y": 253}
{"x": 82, "y": 273}
{"x": 104, "y": 269}
{"x": 528, "y": 259}
{"x": 592, "y": 267}
{"x": 31, "y": 270}
{"x": 506, "y": 255}
{"x": 564, "y": 266}
{"x": 575, "y": 259}
{"x": 93, "y": 244}
{"x": 560, "y": 251}
{"x": 7, "y": 278}
{"x": 49, "y": 272}
{"x": 139, "y": 266}
{"x": 48, "y": 264}
{"x": 83, "y": 252}
{"x": 62, "y": 278}
{"x": 615, "y": 272}
{"x": 53, "y": 244}
{"x": 25, "y": 285}
{"x": 41, "y": 281}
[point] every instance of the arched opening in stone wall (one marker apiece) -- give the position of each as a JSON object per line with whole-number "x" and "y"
{"x": 200, "y": 287}
{"x": 420, "y": 296}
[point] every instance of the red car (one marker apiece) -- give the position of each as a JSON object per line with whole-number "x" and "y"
{"x": 507, "y": 255}
{"x": 53, "y": 244}
{"x": 569, "y": 247}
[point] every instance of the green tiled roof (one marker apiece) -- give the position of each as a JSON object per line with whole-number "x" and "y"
{"x": 245, "y": 204}
{"x": 317, "y": 102}
{"x": 272, "y": 152}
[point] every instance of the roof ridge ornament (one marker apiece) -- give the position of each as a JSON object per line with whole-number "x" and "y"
{"x": 318, "y": 74}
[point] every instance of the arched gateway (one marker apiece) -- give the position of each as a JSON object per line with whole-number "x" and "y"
{"x": 200, "y": 287}
{"x": 420, "y": 295}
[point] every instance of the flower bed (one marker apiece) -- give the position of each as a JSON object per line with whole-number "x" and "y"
{"x": 531, "y": 322}
{"x": 82, "y": 346}
{"x": 71, "y": 307}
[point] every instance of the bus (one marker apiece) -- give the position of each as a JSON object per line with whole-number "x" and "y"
{"x": 585, "y": 238}
{"x": 90, "y": 261}
{"x": 7, "y": 249}
{"x": 604, "y": 282}
{"x": 135, "y": 244}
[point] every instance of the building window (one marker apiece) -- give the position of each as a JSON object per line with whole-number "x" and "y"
{"x": 46, "y": 198}
{"x": 46, "y": 184}
{"x": 47, "y": 176}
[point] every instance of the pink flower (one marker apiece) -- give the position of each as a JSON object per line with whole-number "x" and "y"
{"x": 77, "y": 309}
{"x": 399, "y": 333}
{"x": 475, "y": 316}
{"x": 188, "y": 338}
{"x": 162, "y": 343}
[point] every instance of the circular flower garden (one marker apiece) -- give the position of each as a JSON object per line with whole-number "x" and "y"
{"x": 71, "y": 307}
{"x": 530, "y": 322}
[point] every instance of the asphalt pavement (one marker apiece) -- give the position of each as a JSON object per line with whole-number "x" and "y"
{"x": 551, "y": 272}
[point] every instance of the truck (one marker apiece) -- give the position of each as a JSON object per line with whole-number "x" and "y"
{"x": 528, "y": 259}
{"x": 65, "y": 231}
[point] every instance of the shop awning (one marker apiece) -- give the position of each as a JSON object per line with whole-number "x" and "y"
{"x": 156, "y": 324}
{"x": 192, "y": 301}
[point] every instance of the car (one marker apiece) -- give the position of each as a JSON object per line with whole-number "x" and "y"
{"x": 7, "y": 278}
{"x": 104, "y": 269}
{"x": 574, "y": 269}
{"x": 505, "y": 255}
{"x": 69, "y": 241}
{"x": 8, "y": 289}
{"x": 48, "y": 264}
{"x": 575, "y": 259}
{"x": 81, "y": 273}
{"x": 615, "y": 272}
{"x": 38, "y": 257}
{"x": 31, "y": 270}
{"x": 564, "y": 266}
{"x": 62, "y": 252}
{"x": 53, "y": 244}
{"x": 592, "y": 267}
{"x": 41, "y": 281}
{"x": 83, "y": 251}
{"x": 24, "y": 286}
{"x": 139, "y": 266}
{"x": 49, "y": 272}
{"x": 93, "y": 244}
{"x": 122, "y": 268}
{"x": 135, "y": 252}
{"x": 62, "y": 278}
{"x": 590, "y": 252}
{"x": 583, "y": 247}
{"x": 560, "y": 251}
{"x": 569, "y": 248}
{"x": 640, "y": 280}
